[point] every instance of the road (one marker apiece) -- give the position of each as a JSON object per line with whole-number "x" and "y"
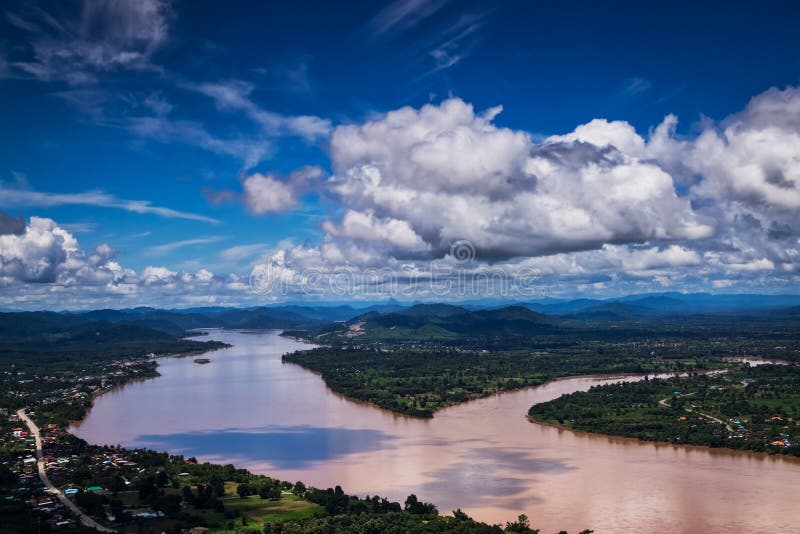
{"x": 728, "y": 427}
{"x": 85, "y": 519}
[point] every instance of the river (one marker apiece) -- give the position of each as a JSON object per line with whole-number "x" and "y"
{"x": 248, "y": 408}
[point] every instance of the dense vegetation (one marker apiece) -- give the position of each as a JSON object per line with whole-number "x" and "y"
{"x": 58, "y": 341}
{"x": 417, "y": 381}
{"x": 748, "y": 408}
{"x": 771, "y": 334}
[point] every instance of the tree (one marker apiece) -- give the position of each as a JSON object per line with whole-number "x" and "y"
{"x": 521, "y": 526}
{"x": 415, "y": 506}
{"x": 243, "y": 490}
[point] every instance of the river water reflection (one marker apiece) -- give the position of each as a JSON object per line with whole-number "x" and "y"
{"x": 248, "y": 408}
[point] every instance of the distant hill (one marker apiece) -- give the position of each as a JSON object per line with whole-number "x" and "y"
{"x": 615, "y": 311}
{"x": 664, "y": 304}
{"x": 432, "y": 310}
{"x": 443, "y": 322}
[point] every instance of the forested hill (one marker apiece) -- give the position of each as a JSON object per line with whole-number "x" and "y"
{"x": 430, "y": 322}
{"x": 517, "y": 325}
{"x": 37, "y": 339}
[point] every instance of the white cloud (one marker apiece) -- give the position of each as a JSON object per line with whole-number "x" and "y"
{"x": 755, "y": 158}
{"x": 594, "y": 209}
{"x": 366, "y": 227}
{"x": 268, "y": 193}
{"x": 451, "y": 174}
{"x": 264, "y": 194}
{"x": 151, "y": 275}
{"x": 46, "y": 253}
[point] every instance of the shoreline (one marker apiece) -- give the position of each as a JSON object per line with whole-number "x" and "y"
{"x": 598, "y": 377}
{"x": 666, "y": 444}
{"x": 97, "y": 394}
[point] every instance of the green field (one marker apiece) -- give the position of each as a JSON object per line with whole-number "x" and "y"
{"x": 260, "y": 510}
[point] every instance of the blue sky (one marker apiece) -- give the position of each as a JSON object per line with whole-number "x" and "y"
{"x": 191, "y": 136}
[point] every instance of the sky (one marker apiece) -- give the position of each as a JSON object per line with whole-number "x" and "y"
{"x": 182, "y": 153}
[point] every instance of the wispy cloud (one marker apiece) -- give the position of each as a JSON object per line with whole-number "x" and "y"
{"x": 80, "y": 227}
{"x": 166, "y": 248}
{"x": 13, "y": 198}
{"x": 636, "y": 86}
{"x": 167, "y": 130}
{"x": 236, "y": 95}
{"x": 402, "y": 15}
{"x": 101, "y": 37}
{"x": 241, "y": 252}
{"x": 455, "y": 43}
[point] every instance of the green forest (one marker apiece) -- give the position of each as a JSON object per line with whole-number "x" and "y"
{"x": 747, "y": 408}
{"x": 417, "y": 382}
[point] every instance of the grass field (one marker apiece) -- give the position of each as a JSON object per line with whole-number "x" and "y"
{"x": 260, "y": 510}
{"x": 256, "y": 510}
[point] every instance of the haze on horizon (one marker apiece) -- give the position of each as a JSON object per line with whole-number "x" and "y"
{"x": 159, "y": 153}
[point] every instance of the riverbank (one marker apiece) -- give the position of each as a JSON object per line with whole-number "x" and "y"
{"x": 666, "y": 445}
{"x": 749, "y": 409}
{"x": 133, "y": 379}
{"x": 420, "y": 382}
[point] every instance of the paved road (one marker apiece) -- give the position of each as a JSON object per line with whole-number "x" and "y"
{"x": 85, "y": 519}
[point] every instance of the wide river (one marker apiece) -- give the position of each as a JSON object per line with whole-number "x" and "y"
{"x": 248, "y": 408}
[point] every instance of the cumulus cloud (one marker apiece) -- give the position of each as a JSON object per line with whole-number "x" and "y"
{"x": 755, "y": 158}
{"x": 449, "y": 173}
{"x": 44, "y": 252}
{"x": 271, "y": 193}
{"x": 45, "y": 266}
{"x": 601, "y": 208}
{"x": 602, "y": 205}
{"x": 264, "y": 194}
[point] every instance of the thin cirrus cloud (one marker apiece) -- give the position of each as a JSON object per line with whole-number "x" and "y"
{"x": 167, "y": 130}
{"x": 636, "y": 86}
{"x": 235, "y": 95}
{"x": 13, "y": 198}
{"x": 166, "y": 248}
{"x": 402, "y": 15}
